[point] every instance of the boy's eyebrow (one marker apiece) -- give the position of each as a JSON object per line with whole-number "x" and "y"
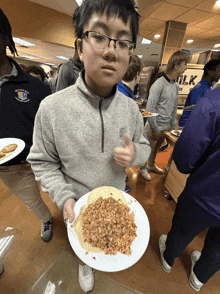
{"x": 100, "y": 24}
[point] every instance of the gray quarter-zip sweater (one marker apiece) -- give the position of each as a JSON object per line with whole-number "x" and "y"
{"x": 163, "y": 100}
{"x": 75, "y": 134}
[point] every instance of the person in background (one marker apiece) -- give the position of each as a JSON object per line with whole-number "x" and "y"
{"x": 69, "y": 71}
{"x": 39, "y": 73}
{"x": 165, "y": 144}
{"x": 128, "y": 83}
{"x": 131, "y": 77}
{"x": 100, "y": 132}
{"x": 211, "y": 75}
{"x": 20, "y": 96}
{"x": 163, "y": 100}
{"x": 52, "y": 81}
{"x": 197, "y": 153}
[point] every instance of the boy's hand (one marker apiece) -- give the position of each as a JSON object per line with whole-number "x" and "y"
{"x": 68, "y": 210}
{"x": 124, "y": 155}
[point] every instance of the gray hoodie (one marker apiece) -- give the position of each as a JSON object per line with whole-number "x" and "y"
{"x": 75, "y": 134}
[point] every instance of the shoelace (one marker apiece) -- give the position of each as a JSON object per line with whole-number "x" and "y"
{"x": 47, "y": 226}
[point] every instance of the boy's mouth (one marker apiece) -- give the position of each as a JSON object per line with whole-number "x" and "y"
{"x": 108, "y": 67}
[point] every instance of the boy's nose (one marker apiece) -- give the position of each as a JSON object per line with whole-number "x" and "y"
{"x": 111, "y": 49}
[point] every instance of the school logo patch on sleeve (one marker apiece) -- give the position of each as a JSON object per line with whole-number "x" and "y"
{"x": 22, "y": 95}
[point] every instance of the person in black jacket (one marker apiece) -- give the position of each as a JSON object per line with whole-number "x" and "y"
{"x": 20, "y": 96}
{"x": 69, "y": 71}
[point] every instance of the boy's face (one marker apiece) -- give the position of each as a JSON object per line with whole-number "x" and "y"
{"x": 104, "y": 69}
{"x": 181, "y": 68}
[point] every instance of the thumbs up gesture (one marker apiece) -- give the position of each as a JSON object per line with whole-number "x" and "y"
{"x": 124, "y": 155}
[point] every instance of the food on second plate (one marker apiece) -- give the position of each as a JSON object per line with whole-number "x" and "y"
{"x": 177, "y": 132}
{"x": 146, "y": 113}
{"x": 105, "y": 224}
{"x": 7, "y": 151}
{"x": 9, "y": 148}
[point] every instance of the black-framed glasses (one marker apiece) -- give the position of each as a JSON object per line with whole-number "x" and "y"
{"x": 101, "y": 42}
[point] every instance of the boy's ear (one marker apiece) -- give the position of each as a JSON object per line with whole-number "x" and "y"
{"x": 79, "y": 48}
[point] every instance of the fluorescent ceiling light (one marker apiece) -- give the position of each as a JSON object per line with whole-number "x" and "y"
{"x": 217, "y": 45}
{"x": 140, "y": 56}
{"x": 23, "y": 42}
{"x": 215, "y": 50}
{"x": 28, "y": 57}
{"x": 62, "y": 57}
{"x": 79, "y": 2}
{"x": 145, "y": 41}
{"x": 189, "y": 41}
{"x": 49, "y": 63}
{"x": 157, "y": 36}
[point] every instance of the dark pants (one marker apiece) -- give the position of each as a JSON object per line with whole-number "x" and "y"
{"x": 187, "y": 223}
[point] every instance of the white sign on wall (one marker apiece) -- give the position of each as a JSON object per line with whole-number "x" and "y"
{"x": 188, "y": 80}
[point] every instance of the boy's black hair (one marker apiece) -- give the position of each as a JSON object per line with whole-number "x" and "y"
{"x": 5, "y": 30}
{"x": 121, "y": 8}
{"x": 37, "y": 70}
{"x": 211, "y": 65}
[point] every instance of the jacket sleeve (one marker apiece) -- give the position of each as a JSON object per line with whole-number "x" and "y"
{"x": 154, "y": 95}
{"x": 141, "y": 144}
{"x": 197, "y": 135}
{"x": 45, "y": 161}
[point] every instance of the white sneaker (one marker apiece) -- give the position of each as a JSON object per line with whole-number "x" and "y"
{"x": 145, "y": 174}
{"x": 162, "y": 246}
{"x": 86, "y": 277}
{"x": 156, "y": 169}
{"x": 193, "y": 281}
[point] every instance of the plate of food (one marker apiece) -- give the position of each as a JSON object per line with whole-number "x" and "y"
{"x": 110, "y": 231}
{"x": 9, "y": 148}
{"x": 149, "y": 114}
{"x": 176, "y": 132}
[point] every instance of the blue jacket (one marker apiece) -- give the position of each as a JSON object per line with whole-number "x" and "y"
{"x": 125, "y": 90}
{"x": 20, "y": 98}
{"x": 194, "y": 95}
{"x": 197, "y": 152}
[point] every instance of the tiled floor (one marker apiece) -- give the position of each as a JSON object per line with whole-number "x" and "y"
{"x": 26, "y": 256}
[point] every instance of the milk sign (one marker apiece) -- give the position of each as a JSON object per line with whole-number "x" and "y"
{"x": 188, "y": 80}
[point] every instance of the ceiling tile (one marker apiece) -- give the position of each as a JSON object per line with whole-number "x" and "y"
{"x": 151, "y": 24}
{"x": 168, "y": 11}
{"x": 209, "y": 34}
{"x": 193, "y": 31}
{"x": 193, "y": 16}
{"x": 145, "y": 9}
{"x": 209, "y": 23}
{"x": 209, "y": 5}
{"x": 187, "y": 3}
{"x": 53, "y": 4}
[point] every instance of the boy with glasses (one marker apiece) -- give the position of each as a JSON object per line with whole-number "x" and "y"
{"x": 87, "y": 134}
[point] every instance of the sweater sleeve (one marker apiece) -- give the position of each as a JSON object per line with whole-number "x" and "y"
{"x": 154, "y": 95}
{"x": 141, "y": 144}
{"x": 45, "y": 161}
{"x": 196, "y": 137}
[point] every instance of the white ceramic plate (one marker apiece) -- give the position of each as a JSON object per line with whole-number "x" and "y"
{"x": 120, "y": 261}
{"x": 173, "y": 133}
{"x": 6, "y": 141}
{"x": 153, "y": 114}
